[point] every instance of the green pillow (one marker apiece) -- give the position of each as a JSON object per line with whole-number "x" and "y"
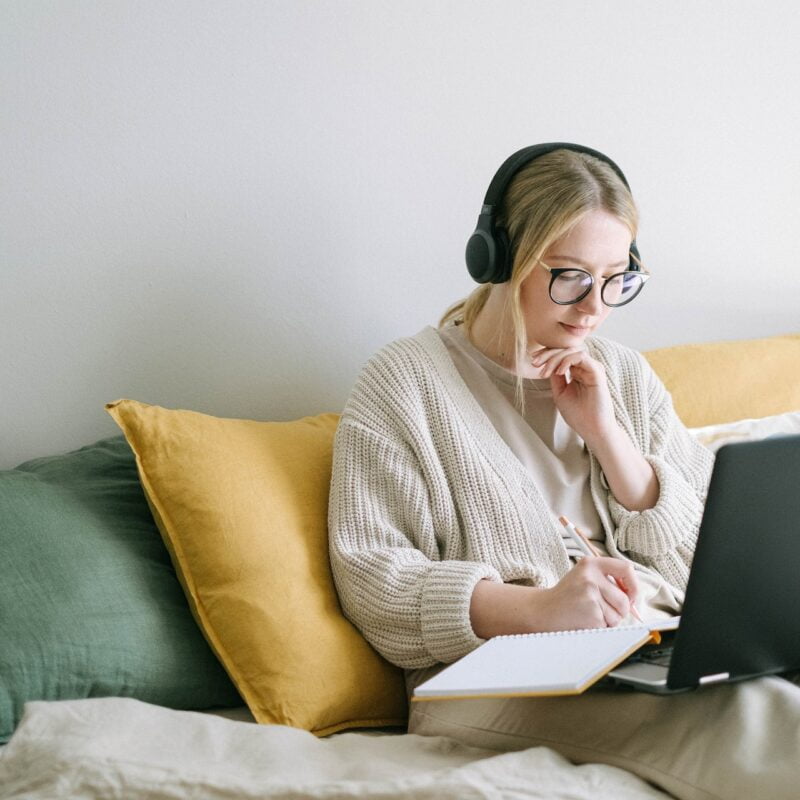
{"x": 89, "y": 602}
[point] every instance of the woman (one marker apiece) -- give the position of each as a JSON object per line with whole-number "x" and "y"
{"x": 460, "y": 448}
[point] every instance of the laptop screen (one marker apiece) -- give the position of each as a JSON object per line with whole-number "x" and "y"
{"x": 740, "y": 615}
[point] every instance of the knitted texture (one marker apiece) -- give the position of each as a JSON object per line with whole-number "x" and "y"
{"x": 427, "y": 499}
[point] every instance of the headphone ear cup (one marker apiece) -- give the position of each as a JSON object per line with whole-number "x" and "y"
{"x": 481, "y": 252}
{"x": 480, "y": 256}
{"x": 488, "y": 253}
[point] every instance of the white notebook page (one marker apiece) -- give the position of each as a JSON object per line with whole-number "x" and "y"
{"x": 565, "y": 662}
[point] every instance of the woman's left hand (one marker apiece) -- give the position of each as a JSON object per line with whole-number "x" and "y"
{"x": 584, "y": 401}
{"x": 585, "y": 404}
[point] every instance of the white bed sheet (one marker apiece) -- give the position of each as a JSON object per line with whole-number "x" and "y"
{"x": 123, "y": 748}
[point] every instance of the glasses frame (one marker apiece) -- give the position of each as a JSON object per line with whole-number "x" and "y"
{"x": 556, "y": 271}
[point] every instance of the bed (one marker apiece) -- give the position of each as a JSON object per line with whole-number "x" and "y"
{"x": 166, "y": 590}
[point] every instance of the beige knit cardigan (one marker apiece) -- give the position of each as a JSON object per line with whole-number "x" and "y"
{"x": 427, "y": 499}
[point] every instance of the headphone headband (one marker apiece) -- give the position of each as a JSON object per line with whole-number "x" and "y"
{"x": 488, "y": 253}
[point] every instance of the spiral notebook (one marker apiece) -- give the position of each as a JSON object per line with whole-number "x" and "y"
{"x": 532, "y": 664}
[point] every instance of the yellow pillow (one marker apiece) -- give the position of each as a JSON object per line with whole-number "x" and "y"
{"x": 242, "y": 507}
{"x": 727, "y": 381}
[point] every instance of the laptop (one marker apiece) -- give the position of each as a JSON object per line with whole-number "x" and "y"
{"x": 740, "y": 616}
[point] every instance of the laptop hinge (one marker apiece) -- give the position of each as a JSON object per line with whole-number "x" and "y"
{"x": 716, "y": 678}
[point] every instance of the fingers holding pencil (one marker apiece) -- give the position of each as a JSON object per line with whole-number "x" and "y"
{"x": 585, "y": 544}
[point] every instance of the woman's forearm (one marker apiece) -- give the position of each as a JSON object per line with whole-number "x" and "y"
{"x": 497, "y": 609}
{"x": 629, "y": 475}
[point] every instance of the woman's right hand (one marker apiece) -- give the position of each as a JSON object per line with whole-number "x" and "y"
{"x": 583, "y": 598}
{"x": 586, "y": 598}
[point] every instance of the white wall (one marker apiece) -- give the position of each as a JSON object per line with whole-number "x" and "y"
{"x": 228, "y": 206}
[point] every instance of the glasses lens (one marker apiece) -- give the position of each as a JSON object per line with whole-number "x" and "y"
{"x": 622, "y": 288}
{"x": 570, "y": 286}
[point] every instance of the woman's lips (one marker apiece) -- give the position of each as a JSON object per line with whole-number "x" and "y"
{"x": 576, "y": 330}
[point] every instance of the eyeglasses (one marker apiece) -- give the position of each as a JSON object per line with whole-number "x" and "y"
{"x": 568, "y": 286}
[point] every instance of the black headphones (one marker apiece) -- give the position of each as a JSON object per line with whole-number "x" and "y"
{"x": 489, "y": 256}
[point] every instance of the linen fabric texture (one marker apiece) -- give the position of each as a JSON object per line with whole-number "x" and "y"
{"x": 747, "y": 430}
{"x": 121, "y": 748}
{"x": 89, "y": 602}
{"x": 242, "y": 507}
{"x": 736, "y": 741}
{"x": 427, "y": 499}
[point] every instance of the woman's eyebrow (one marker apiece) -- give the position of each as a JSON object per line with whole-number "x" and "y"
{"x": 585, "y": 264}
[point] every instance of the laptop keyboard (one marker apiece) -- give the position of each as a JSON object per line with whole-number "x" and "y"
{"x": 658, "y": 655}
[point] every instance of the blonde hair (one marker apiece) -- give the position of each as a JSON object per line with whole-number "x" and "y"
{"x": 544, "y": 200}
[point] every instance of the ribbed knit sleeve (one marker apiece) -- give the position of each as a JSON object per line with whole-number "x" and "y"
{"x": 662, "y": 537}
{"x": 410, "y": 604}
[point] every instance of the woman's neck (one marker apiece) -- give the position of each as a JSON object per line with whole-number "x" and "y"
{"x": 492, "y": 333}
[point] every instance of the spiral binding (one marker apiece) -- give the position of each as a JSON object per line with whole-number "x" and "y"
{"x": 572, "y": 632}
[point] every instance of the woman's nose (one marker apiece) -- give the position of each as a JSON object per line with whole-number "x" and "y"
{"x": 592, "y": 303}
